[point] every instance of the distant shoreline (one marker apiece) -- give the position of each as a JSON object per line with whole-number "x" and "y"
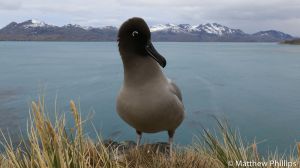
{"x": 293, "y": 42}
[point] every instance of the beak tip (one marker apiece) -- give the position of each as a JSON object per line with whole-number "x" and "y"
{"x": 164, "y": 64}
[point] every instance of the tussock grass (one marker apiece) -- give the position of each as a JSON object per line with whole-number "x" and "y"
{"x": 52, "y": 145}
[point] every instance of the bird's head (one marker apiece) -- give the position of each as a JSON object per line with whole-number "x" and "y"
{"x": 135, "y": 39}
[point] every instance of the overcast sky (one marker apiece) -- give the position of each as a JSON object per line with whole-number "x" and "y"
{"x": 248, "y": 15}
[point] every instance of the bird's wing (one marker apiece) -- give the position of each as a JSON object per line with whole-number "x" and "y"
{"x": 175, "y": 89}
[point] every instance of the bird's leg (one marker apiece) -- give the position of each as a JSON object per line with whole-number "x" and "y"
{"x": 171, "y": 135}
{"x": 138, "y": 138}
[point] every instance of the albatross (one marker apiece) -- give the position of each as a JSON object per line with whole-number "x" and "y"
{"x": 148, "y": 101}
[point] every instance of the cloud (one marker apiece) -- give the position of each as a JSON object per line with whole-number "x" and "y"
{"x": 249, "y": 15}
{"x": 258, "y": 11}
{"x": 10, "y": 5}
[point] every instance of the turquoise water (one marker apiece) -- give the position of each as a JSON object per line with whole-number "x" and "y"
{"x": 256, "y": 86}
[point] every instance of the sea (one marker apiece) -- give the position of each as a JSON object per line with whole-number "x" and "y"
{"x": 255, "y": 87}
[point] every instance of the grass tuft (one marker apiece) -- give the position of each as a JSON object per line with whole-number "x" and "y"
{"x": 52, "y": 145}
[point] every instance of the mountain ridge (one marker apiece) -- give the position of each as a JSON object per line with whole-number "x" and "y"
{"x": 34, "y": 30}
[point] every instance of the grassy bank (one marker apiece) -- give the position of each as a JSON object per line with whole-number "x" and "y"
{"x": 53, "y": 145}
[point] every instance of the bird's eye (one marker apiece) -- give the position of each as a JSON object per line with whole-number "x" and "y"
{"x": 135, "y": 33}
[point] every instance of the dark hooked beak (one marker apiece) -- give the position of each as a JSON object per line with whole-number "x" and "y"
{"x": 155, "y": 55}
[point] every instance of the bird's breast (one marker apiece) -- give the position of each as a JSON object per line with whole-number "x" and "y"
{"x": 150, "y": 108}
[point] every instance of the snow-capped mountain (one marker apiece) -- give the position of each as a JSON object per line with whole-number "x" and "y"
{"x": 273, "y": 34}
{"x": 210, "y": 28}
{"x": 212, "y": 32}
{"x": 41, "y": 31}
{"x": 34, "y": 30}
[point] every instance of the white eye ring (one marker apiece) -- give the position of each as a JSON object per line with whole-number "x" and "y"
{"x": 135, "y": 33}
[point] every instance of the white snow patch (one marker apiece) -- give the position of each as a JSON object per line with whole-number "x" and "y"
{"x": 166, "y": 27}
{"x": 36, "y": 23}
{"x": 214, "y": 29}
{"x": 159, "y": 27}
